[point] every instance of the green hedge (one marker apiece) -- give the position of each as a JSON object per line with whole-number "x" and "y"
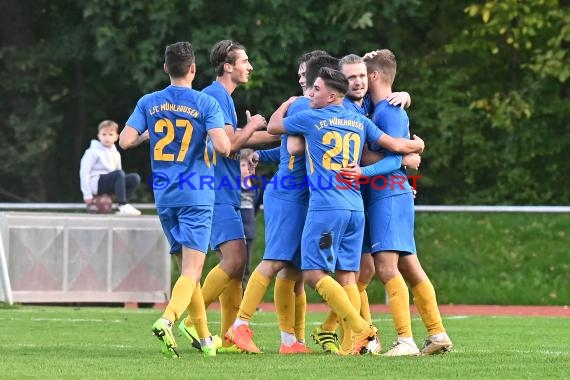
{"x": 481, "y": 258}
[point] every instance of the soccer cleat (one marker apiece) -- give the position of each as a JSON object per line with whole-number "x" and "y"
{"x": 295, "y": 348}
{"x": 162, "y": 329}
{"x": 233, "y": 349}
{"x": 217, "y": 341}
{"x": 328, "y": 340}
{"x": 437, "y": 346}
{"x": 242, "y": 337}
{"x": 400, "y": 348}
{"x": 209, "y": 350}
{"x": 367, "y": 341}
{"x": 191, "y": 334}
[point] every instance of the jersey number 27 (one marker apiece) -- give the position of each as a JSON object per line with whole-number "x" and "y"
{"x": 163, "y": 124}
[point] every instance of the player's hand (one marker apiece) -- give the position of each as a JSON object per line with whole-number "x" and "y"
{"x": 421, "y": 144}
{"x": 351, "y": 172}
{"x": 88, "y": 201}
{"x": 252, "y": 162}
{"x": 370, "y": 54}
{"x": 144, "y": 136}
{"x": 412, "y": 161}
{"x": 291, "y": 100}
{"x": 402, "y": 99}
{"x": 258, "y": 119}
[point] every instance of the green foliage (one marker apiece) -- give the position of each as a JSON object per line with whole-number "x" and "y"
{"x": 498, "y": 118}
{"x": 489, "y": 82}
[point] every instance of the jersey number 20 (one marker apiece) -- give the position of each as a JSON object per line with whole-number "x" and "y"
{"x": 342, "y": 146}
{"x": 163, "y": 124}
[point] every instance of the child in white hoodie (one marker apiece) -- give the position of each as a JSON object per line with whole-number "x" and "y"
{"x": 101, "y": 170}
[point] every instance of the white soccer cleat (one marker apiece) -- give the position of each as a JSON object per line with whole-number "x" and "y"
{"x": 401, "y": 348}
{"x": 439, "y": 345}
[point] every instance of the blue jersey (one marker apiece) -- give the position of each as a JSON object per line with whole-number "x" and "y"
{"x": 226, "y": 170}
{"x": 289, "y": 182}
{"x": 366, "y": 108}
{"x": 335, "y": 137}
{"x": 393, "y": 121}
{"x": 178, "y": 119}
{"x": 300, "y": 104}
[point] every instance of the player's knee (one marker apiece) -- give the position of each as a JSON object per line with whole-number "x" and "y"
{"x": 269, "y": 268}
{"x": 385, "y": 273}
{"x": 310, "y": 279}
{"x": 366, "y": 272}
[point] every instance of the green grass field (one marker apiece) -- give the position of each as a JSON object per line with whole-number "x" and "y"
{"x": 67, "y": 342}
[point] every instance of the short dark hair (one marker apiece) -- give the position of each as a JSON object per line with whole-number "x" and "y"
{"x": 178, "y": 58}
{"x": 334, "y": 79}
{"x": 224, "y": 52}
{"x": 305, "y": 57}
{"x": 315, "y": 64}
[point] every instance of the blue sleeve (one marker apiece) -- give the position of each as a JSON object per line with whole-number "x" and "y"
{"x": 297, "y": 124}
{"x": 372, "y": 132}
{"x": 137, "y": 120}
{"x": 269, "y": 155}
{"x": 386, "y": 165}
{"x": 213, "y": 114}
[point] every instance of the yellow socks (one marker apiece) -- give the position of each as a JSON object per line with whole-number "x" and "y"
{"x": 180, "y": 298}
{"x": 399, "y": 302}
{"x": 284, "y": 299}
{"x": 335, "y": 296}
{"x": 426, "y": 302}
{"x": 354, "y": 297}
{"x": 300, "y": 310}
{"x": 331, "y": 323}
{"x": 197, "y": 312}
{"x": 230, "y": 299}
{"x": 254, "y": 292}
{"x": 364, "y": 305}
{"x": 214, "y": 284}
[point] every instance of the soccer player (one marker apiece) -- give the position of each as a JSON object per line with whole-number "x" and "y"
{"x": 289, "y": 292}
{"x": 179, "y": 120}
{"x": 231, "y": 63}
{"x": 358, "y": 100}
{"x": 286, "y": 201}
{"x": 391, "y": 210}
{"x": 334, "y": 221}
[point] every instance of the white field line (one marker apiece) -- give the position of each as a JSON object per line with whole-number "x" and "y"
{"x": 72, "y": 320}
{"x": 494, "y": 352}
{"x": 33, "y": 345}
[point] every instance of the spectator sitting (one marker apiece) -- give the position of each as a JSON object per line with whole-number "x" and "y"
{"x": 101, "y": 170}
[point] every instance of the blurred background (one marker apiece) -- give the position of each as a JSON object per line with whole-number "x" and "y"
{"x": 489, "y": 82}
